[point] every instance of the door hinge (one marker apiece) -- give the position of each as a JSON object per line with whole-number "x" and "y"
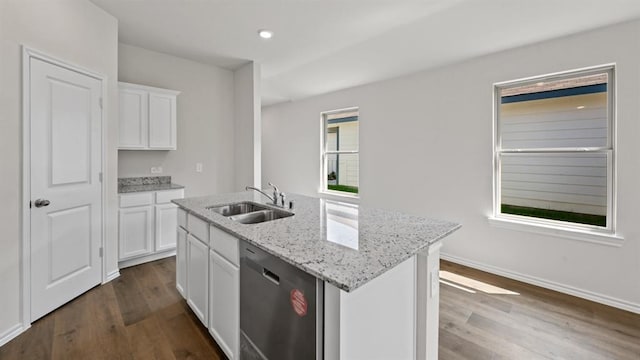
{"x": 30, "y": 204}
{"x": 100, "y": 102}
{"x": 100, "y": 176}
{"x": 100, "y": 252}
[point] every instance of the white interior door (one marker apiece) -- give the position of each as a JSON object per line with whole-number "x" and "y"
{"x": 66, "y": 211}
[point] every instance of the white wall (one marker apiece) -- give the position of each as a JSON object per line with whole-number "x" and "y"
{"x": 75, "y": 31}
{"x": 247, "y": 148}
{"x": 426, "y": 148}
{"x": 205, "y": 121}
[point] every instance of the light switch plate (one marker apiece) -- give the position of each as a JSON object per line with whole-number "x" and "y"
{"x": 199, "y": 167}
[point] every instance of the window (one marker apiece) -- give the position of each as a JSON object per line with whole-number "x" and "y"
{"x": 340, "y": 158}
{"x": 554, "y": 149}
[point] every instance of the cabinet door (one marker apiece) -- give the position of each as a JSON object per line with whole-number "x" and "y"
{"x": 135, "y": 231}
{"x": 134, "y": 119}
{"x": 162, "y": 121}
{"x": 166, "y": 223}
{"x": 181, "y": 262}
{"x": 198, "y": 278}
{"x": 224, "y": 305}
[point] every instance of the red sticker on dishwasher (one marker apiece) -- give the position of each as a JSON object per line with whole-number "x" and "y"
{"x": 298, "y": 302}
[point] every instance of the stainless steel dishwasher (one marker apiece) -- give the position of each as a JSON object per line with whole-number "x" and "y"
{"x": 281, "y": 315}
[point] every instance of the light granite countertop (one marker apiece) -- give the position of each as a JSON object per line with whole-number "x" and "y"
{"x": 146, "y": 183}
{"x": 343, "y": 244}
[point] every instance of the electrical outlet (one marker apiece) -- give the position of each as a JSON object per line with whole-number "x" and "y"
{"x": 199, "y": 167}
{"x": 156, "y": 169}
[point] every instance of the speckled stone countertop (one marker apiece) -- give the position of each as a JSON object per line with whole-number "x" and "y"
{"x": 146, "y": 183}
{"x": 345, "y": 245}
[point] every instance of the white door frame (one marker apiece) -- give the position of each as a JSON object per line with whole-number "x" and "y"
{"x": 25, "y": 274}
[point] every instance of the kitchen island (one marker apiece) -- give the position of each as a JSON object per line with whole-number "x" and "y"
{"x": 379, "y": 271}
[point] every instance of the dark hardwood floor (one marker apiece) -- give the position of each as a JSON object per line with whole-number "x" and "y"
{"x": 139, "y": 315}
{"x": 482, "y": 316}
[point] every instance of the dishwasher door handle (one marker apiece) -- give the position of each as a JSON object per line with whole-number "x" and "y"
{"x": 271, "y": 276}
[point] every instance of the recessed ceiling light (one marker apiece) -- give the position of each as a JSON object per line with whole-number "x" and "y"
{"x": 580, "y": 107}
{"x": 540, "y": 83}
{"x": 265, "y": 34}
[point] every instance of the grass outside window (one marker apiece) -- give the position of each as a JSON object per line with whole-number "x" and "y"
{"x": 343, "y": 188}
{"x": 589, "y": 219}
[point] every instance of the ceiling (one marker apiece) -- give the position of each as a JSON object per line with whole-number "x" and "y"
{"x": 326, "y": 45}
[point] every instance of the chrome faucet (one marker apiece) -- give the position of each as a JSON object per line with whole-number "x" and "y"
{"x": 276, "y": 194}
{"x": 274, "y": 201}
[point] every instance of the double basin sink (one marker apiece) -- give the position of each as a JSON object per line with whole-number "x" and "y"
{"x": 247, "y": 212}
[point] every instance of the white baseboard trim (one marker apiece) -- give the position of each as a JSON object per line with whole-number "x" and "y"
{"x": 11, "y": 333}
{"x": 112, "y": 275}
{"x": 599, "y": 298}
{"x": 143, "y": 259}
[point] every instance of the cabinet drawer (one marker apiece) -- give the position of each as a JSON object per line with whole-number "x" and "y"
{"x": 198, "y": 228}
{"x": 225, "y": 245}
{"x": 168, "y": 195}
{"x": 182, "y": 218}
{"x": 138, "y": 199}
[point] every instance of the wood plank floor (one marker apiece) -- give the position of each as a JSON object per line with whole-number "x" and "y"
{"x": 482, "y": 316}
{"x": 139, "y": 315}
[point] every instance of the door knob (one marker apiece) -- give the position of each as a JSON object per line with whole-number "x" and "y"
{"x": 41, "y": 202}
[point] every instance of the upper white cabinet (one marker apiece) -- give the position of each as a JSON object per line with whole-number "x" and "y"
{"x": 147, "y": 118}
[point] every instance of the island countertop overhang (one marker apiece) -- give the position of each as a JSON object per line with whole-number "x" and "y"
{"x": 307, "y": 240}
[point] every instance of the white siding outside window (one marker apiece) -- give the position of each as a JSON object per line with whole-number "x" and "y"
{"x": 554, "y": 150}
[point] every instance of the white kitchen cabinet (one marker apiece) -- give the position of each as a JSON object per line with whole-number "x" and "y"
{"x": 224, "y": 304}
{"x": 135, "y": 231}
{"x": 147, "y": 117}
{"x": 166, "y": 223}
{"x": 162, "y": 121}
{"x": 212, "y": 274}
{"x": 147, "y": 226}
{"x": 181, "y": 262}
{"x": 134, "y": 118}
{"x": 198, "y": 277}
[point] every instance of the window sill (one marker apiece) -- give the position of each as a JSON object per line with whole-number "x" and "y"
{"x": 339, "y": 196}
{"x": 597, "y": 237}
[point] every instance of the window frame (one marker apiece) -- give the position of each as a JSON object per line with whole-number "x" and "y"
{"x": 324, "y": 153}
{"x": 609, "y": 151}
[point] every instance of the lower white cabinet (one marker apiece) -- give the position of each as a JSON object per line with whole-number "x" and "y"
{"x": 166, "y": 223}
{"x": 198, "y": 278}
{"x": 147, "y": 226}
{"x": 181, "y": 262}
{"x": 224, "y": 304}
{"x": 135, "y": 232}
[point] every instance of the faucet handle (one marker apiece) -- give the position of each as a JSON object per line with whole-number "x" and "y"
{"x": 275, "y": 188}
{"x": 283, "y": 196}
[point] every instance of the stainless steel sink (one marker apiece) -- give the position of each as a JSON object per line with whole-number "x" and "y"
{"x": 237, "y": 208}
{"x": 260, "y": 216}
{"x": 247, "y": 212}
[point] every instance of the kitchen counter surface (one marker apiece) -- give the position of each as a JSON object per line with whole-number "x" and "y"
{"x": 343, "y": 244}
{"x": 149, "y": 187}
{"x": 148, "y": 183}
